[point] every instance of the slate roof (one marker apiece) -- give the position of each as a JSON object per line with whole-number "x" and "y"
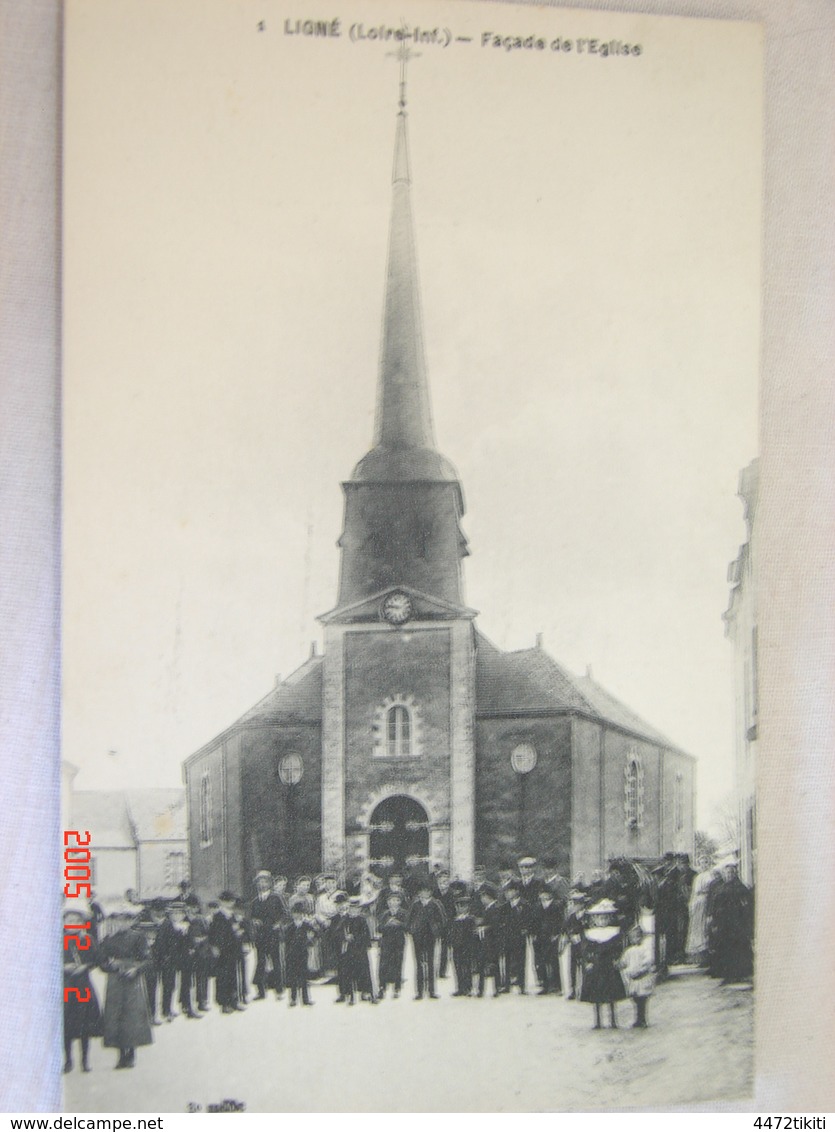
{"x": 530, "y": 681}
{"x": 299, "y": 697}
{"x": 120, "y": 819}
{"x": 105, "y": 814}
{"x": 158, "y": 814}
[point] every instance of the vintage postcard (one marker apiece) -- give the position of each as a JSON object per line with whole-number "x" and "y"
{"x": 410, "y": 636}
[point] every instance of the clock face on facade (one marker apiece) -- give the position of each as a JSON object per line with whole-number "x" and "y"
{"x": 397, "y": 608}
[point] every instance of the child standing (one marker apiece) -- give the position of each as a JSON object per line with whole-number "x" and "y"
{"x": 299, "y": 936}
{"x": 638, "y": 972}
{"x": 391, "y": 925}
{"x": 601, "y": 949}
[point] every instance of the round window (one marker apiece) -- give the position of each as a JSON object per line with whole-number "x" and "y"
{"x": 523, "y": 758}
{"x": 290, "y": 769}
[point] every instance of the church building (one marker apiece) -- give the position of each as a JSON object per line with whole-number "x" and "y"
{"x": 413, "y": 741}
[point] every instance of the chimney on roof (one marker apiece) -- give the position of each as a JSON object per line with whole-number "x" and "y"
{"x": 314, "y": 649}
{"x": 589, "y": 673}
{"x": 277, "y": 679}
{"x": 539, "y": 640}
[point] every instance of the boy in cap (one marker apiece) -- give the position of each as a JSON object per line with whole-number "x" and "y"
{"x": 299, "y": 935}
{"x": 391, "y": 925}
{"x": 548, "y": 930}
{"x": 426, "y": 923}
{"x": 463, "y": 941}
{"x": 225, "y": 949}
{"x": 489, "y": 932}
{"x": 517, "y": 924}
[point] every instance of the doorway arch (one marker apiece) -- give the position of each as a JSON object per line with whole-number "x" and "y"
{"x": 399, "y": 834}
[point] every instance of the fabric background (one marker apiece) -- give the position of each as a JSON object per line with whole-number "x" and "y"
{"x": 796, "y": 898}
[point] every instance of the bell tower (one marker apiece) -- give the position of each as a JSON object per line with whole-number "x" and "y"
{"x": 398, "y": 707}
{"x": 403, "y": 502}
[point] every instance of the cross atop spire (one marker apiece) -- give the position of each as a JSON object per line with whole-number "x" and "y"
{"x": 403, "y": 53}
{"x": 401, "y": 156}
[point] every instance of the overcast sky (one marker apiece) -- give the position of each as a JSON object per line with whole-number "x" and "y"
{"x": 588, "y": 242}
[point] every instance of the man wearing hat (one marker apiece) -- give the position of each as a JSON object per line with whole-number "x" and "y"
{"x": 225, "y": 946}
{"x": 299, "y": 936}
{"x": 124, "y": 956}
{"x": 530, "y": 885}
{"x": 171, "y": 956}
{"x": 391, "y": 926}
{"x": 463, "y": 941}
{"x": 265, "y": 915}
{"x": 445, "y": 895}
{"x": 426, "y": 924}
{"x": 489, "y": 932}
{"x": 571, "y": 968}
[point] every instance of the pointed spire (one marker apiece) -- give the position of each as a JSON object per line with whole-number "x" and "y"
{"x": 403, "y": 415}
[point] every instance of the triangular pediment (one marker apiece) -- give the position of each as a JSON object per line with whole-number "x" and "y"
{"x": 419, "y": 607}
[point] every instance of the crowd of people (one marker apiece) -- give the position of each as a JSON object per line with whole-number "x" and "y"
{"x": 525, "y": 929}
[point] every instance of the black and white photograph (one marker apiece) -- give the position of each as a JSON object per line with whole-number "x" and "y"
{"x": 410, "y": 632}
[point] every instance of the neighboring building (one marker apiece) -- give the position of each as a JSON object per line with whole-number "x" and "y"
{"x": 139, "y": 840}
{"x": 741, "y": 627}
{"x": 413, "y": 740}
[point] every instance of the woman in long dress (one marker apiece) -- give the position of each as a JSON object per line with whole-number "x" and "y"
{"x": 697, "y": 932}
{"x": 127, "y": 1020}
{"x": 82, "y": 1017}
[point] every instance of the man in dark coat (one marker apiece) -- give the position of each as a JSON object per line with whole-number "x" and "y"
{"x": 125, "y": 956}
{"x": 391, "y": 927}
{"x": 200, "y": 950}
{"x": 299, "y": 934}
{"x": 171, "y": 956}
{"x": 266, "y": 913}
{"x": 548, "y": 926}
{"x": 356, "y": 940}
{"x": 445, "y": 895}
{"x": 517, "y": 927}
{"x": 530, "y": 884}
{"x": 463, "y": 941}
{"x": 149, "y": 922}
{"x": 731, "y": 928}
{"x": 226, "y": 946}
{"x": 490, "y": 936}
{"x": 426, "y": 924}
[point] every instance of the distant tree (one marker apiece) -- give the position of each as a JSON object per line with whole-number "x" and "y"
{"x": 725, "y": 824}
{"x": 706, "y": 851}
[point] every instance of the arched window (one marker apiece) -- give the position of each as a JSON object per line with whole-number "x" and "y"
{"x": 398, "y": 732}
{"x": 634, "y": 793}
{"x": 205, "y": 810}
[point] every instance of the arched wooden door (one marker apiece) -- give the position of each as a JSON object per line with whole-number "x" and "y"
{"x": 399, "y": 830}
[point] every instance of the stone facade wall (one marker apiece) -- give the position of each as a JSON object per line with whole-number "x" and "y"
{"x": 207, "y": 862}
{"x": 528, "y": 813}
{"x": 383, "y": 667}
{"x": 587, "y": 754}
{"x": 283, "y": 830}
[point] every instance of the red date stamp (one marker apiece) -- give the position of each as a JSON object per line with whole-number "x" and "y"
{"x": 77, "y": 878}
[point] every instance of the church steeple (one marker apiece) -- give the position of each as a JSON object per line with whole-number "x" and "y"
{"x": 403, "y": 501}
{"x": 404, "y": 441}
